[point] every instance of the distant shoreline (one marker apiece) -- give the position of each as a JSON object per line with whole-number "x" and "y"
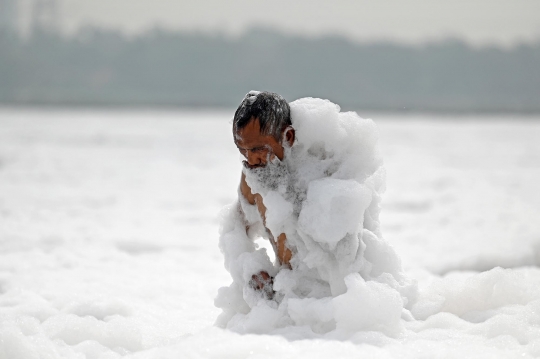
{"x": 190, "y": 70}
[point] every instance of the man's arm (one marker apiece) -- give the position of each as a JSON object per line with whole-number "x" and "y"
{"x": 283, "y": 253}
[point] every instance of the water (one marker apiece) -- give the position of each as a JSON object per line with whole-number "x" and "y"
{"x": 108, "y": 234}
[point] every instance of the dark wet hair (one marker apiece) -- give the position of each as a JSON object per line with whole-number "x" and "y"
{"x": 271, "y": 109}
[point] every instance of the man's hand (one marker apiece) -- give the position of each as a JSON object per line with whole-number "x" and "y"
{"x": 263, "y": 282}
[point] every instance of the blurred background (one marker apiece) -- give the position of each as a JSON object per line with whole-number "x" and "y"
{"x": 419, "y": 55}
{"x": 116, "y": 155}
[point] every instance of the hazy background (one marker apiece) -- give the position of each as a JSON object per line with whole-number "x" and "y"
{"x": 116, "y": 156}
{"x": 416, "y": 55}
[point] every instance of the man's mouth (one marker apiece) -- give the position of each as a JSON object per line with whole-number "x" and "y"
{"x": 252, "y": 167}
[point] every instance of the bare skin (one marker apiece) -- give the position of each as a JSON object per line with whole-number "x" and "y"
{"x": 258, "y": 149}
{"x": 283, "y": 253}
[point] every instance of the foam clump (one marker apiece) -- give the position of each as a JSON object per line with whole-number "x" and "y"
{"x": 333, "y": 208}
{"x": 325, "y": 196}
{"x": 477, "y": 297}
{"x": 354, "y": 310}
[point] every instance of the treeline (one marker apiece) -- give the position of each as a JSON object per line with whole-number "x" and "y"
{"x": 193, "y": 69}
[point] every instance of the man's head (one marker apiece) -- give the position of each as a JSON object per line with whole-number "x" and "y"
{"x": 262, "y": 127}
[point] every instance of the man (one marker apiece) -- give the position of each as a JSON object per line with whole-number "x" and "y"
{"x": 314, "y": 191}
{"x": 262, "y": 129}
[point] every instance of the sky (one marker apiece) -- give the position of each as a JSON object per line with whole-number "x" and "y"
{"x": 503, "y": 22}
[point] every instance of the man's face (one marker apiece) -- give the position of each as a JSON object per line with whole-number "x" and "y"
{"x": 258, "y": 149}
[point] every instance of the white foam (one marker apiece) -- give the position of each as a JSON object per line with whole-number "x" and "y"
{"x": 108, "y": 223}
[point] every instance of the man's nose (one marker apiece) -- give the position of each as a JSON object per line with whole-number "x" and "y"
{"x": 253, "y": 159}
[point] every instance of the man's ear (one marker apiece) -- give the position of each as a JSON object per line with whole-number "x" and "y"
{"x": 289, "y": 135}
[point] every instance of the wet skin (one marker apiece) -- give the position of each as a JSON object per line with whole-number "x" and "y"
{"x": 258, "y": 149}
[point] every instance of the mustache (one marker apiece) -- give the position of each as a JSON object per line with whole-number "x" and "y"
{"x": 251, "y": 167}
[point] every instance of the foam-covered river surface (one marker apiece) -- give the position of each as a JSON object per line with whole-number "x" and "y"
{"x": 109, "y": 220}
